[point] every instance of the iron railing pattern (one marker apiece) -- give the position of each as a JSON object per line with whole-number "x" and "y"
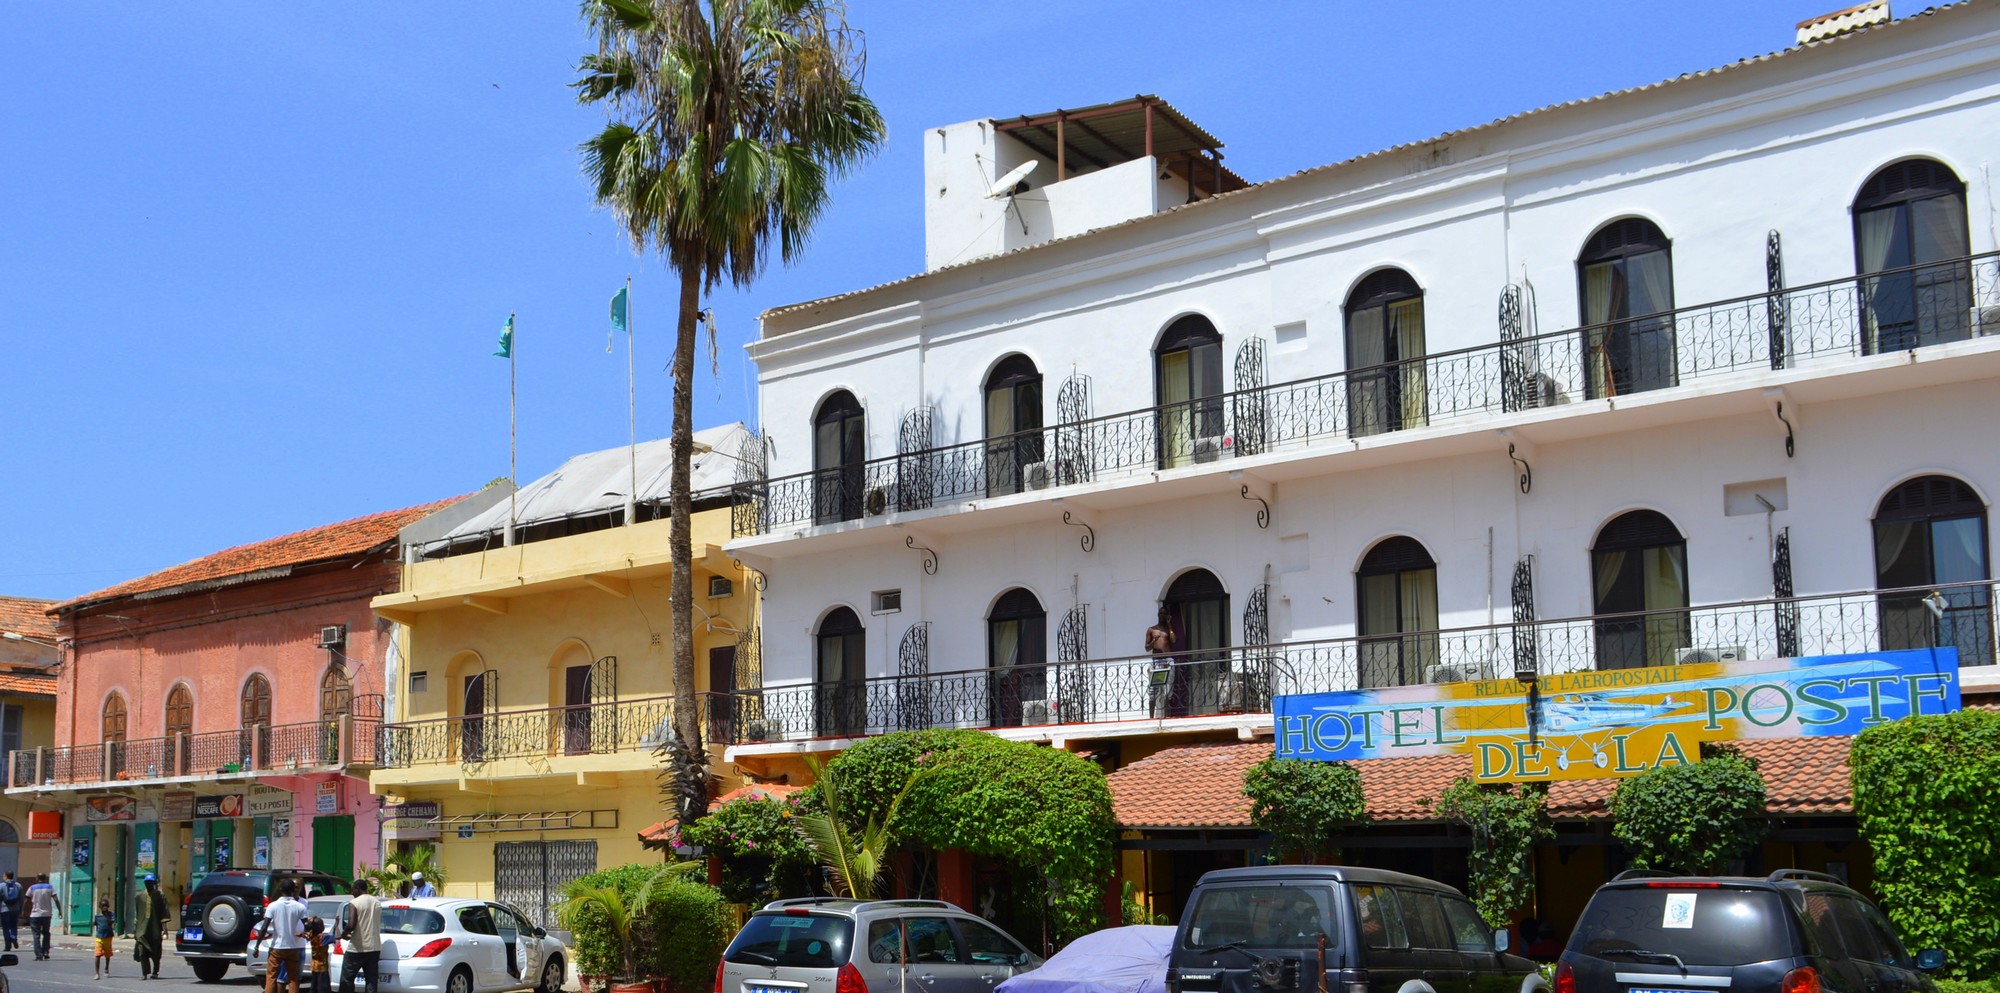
{"x": 1243, "y": 680}
{"x": 591, "y": 729}
{"x": 260, "y": 748}
{"x": 1888, "y": 311}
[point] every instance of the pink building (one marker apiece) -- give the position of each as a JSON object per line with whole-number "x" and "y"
{"x": 221, "y": 713}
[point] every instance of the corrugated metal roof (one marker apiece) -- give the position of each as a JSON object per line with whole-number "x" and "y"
{"x": 1370, "y": 156}
{"x": 596, "y": 482}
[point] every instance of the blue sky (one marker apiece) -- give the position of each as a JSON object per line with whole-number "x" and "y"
{"x": 254, "y": 258}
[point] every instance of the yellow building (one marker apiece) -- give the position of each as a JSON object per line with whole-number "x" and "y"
{"x": 535, "y": 675}
{"x": 29, "y": 658}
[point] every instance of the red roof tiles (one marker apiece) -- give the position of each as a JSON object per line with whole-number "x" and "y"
{"x": 1201, "y": 786}
{"x": 241, "y": 563}
{"x": 656, "y": 833}
{"x": 27, "y": 616}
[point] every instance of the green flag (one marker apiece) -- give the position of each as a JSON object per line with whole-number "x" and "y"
{"x": 618, "y": 321}
{"x": 507, "y": 339}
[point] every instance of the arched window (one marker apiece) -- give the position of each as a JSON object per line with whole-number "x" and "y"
{"x": 1385, "y": 351}
{"x": 180, "y": 721}
{"x": 1197, "y": 608}
{"x": 1627, "y": 286}
{"x": 336, "y": 694}
{"x": 1187, "y": 385}
{"x": 1017, "y": 648}
{"x": 256, "y": 712}
{"x": 1930, "y": 533}
{"x": 1638, "y": 570}
{"x": 840, "y": 454}
{"x": 1396, "y": 588}
{"x": 841, "y": 657}
{"x": 111, "y": 730}
{"x": 1909, "y": 222}
{"x": 1014, "y": 426}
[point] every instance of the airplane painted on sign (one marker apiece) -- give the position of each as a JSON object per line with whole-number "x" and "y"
{"x": 1585, "y": 711}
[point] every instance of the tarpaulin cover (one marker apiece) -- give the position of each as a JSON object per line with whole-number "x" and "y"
{"x": 1115, "y": 960}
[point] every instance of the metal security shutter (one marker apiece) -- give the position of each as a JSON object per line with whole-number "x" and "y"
{"x": 531, "y": 874}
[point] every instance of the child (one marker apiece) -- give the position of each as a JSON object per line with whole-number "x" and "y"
{"x": 316, "y": 971}
{"x": 103, "y": 926}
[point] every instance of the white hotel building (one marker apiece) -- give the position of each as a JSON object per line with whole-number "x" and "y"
{"x": 1705, "y": 366}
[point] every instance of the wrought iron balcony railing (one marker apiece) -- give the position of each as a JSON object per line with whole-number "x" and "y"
{"x": 589, "y": 729}
{"x": 347, "y": 740}
{"x": 1893, "y": 310}
{"x": 1243, "y": 680}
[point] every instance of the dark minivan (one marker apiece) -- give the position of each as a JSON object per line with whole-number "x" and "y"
{"x": 1266, "y": 929}
{"x": 217, "y": 917}
{"x": 1790, "y": 932}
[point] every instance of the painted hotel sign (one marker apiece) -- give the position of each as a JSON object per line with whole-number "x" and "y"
{"x": 1621, "y": 722}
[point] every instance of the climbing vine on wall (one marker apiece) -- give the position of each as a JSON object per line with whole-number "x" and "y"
{"x": 1506, "y": 822}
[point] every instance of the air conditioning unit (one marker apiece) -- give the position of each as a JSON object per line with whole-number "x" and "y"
{"x": 1453, "y": 673}
{"x": 720, "y": 587}
{"x": 878, "y": 500}
{"x": 763, "y": 729}
{"x": 1038, "y": 475}
{"x": 1725, "y": 653}
{"x": 1543, "y": 391}
{"x": 1208, "y": 448}
{"x": 1034, "y": 712}
{"x": 332, "y": 636}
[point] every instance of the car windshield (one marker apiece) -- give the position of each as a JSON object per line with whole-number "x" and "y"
{"x": 1698, "y": 926}
{"x": 411, "y": 920}
{"x": 1267, "y": 916}
{"x": 794, "y": 940}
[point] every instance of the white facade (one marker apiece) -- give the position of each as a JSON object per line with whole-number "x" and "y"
{"x": 1716, "y": 161}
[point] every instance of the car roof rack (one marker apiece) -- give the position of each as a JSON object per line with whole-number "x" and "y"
{"x": 1644, "y": 874}
{"x": 808, "y": 901}
{"x": 1820, "y": 877}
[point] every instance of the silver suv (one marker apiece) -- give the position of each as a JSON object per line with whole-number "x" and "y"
{"x": 834, "y": 945}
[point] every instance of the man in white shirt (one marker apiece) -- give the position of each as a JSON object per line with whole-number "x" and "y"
{"x": 284, "y": 921}
{"x": 424, "y": 887}
{"x": 361, "y": 929}
{"x": 42, "y": 910}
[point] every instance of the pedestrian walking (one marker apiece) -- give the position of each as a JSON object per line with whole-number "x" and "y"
{"x": 423, "y": 886}
{"x": 103, "y": 927}
{"x": 11, "y": 892}
{"x": 285, "y": 918}
{"x": 148, "y": 928}
{"x": 42, "y": 909}
{"x": 361, "y": 929}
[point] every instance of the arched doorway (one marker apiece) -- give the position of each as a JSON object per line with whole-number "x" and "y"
{"x": 112, "y": 728}
{"x": 1910, "y": 223}
{"x": 1014, "y": 427}
{"x": 1017, "y": 651}
{"x": 1638, "y": 570}
{"x": 1385, "y": 351}
{"x": 1396, "y": 596}
{"x": 1196, "y": 605}
{"x": 255, "y": 709}
{"x": 1930, "y": 534}
{"x": 840, "y": 455}
{"x": 1626, "y": 282}
{"x": 1187, "y": 385}
{"x": 179, "y": 722}
{"x": 841, "y": 660}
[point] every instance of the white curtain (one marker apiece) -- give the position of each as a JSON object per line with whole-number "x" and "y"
{"x": 1608, "y": 567}
{"x": 1176, "y": 422}
{"x": 1598, "y": 290}
{"x": 1877, "y": 230}
{"x": 1406, "y": 321}
{"x": 1367, "y": 406}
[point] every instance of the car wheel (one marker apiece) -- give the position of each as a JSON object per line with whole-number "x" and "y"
{"x": 460, "y": 981}
{"x": 224, "y": 917}
{"x": 552, "y": 975}
{"x": 209, "y": 970}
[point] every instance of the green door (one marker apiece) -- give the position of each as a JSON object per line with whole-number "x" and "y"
{"x": 82, "y": 874}
{"x": 333, "y": 845}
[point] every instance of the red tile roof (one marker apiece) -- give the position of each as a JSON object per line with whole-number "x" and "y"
{"x": 1201, "y": 786}
{"x": 28, "y": 616}
{"x": 243, "y": 562}
{"x": 21, "y": 684}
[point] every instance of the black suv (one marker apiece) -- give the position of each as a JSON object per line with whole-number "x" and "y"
{"x": 217, "y": 917}
{"x": 1274, "y": 928}
{"x": 1790, "y": 932}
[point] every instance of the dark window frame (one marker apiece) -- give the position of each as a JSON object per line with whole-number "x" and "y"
{"x": 1645, "y": 636}
{"x": 1627, "y": 351}
{"x": 840, "y": 474}
{"x": 841, "y": 704}
{"x": 1395, "y": 657}
{"x": 1386, "y": 393}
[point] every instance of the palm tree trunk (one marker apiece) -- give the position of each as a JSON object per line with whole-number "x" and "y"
{"x": 687, "y": 715}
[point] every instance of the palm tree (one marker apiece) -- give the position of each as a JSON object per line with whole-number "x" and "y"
{"x": 855, "y": 861}
{"x": 728, "y": 119}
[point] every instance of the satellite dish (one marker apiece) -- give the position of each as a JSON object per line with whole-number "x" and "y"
{"x": 1015, "y": 181}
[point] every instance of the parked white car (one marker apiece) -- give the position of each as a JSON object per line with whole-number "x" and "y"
{"x": 454, "y": 945}
{"x": 326, "y": 908}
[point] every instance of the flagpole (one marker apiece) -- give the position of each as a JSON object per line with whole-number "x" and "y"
{"x": 513, "y": 467}
{"x": 631, "y": 407}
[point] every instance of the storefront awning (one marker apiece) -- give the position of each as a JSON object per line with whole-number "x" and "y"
{"x": 1197, "y": 787}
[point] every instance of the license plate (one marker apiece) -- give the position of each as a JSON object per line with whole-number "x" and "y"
{"x": 190, "y": 934}
{"x": 753, "y": 988}
{"x": 1658, "y": 989}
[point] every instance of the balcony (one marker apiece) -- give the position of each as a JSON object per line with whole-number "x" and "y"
{"x": 520, "y": 743}
{"x": 1237, "y": 681}
{"x": 345, "y": 742}
{"x": 1800, "y": 331}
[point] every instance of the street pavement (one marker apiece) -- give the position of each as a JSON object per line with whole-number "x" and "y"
{"x": 68, "y": 971}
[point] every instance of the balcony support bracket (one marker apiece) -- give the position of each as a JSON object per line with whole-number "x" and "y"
{"x": 617, "y": 586}
{"x": 490, "y": 604}
{"x": 1776, "y": 397}
{"x": 930, "y": 557}
{"x": 1526, "y": 475}
{"x": 1089, "y": 539}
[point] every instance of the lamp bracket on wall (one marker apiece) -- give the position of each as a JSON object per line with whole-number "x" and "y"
{"x": 1263, "y": 506}
{"x": 1776, "y": 397}
{"x": 930, "y": 557}
{"x": 1527, "y": 477}
{"x": 1089, "y": 539}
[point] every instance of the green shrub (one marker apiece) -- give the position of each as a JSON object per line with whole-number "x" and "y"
{"x": 1925, "y": 792}
{"x": 678, "y": 927}
{"x": 764, "y": 855}
{"x": 1965, "y": 986}
{"x": 1506, "y": 823}
{"x": 1691, "y": 818}
{"x": 1303, "y": 805}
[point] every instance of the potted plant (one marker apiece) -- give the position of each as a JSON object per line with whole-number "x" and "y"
{"x": 640, "y": 929}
